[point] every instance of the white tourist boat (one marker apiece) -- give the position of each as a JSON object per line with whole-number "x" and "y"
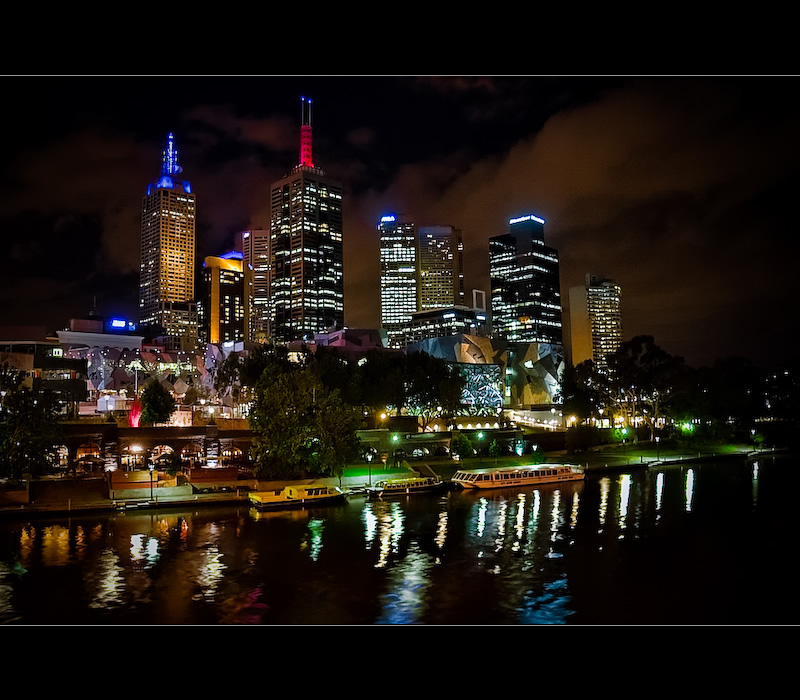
{"x": 516, "y": 476}
{"x": 295, "y": 496}
{"x": 405, "y": 486}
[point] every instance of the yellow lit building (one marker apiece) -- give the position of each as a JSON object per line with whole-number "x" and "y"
{"x": 595, "y": 320}
{"x": 225, "y": 306}
{"x": 166, "y": 274}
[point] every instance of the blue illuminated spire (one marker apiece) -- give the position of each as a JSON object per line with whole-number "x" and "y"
{"x": 170, "y": 167}
{"x": 169, "y": 162}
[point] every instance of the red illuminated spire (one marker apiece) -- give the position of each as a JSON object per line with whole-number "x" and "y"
{"x": 305, "y": 134}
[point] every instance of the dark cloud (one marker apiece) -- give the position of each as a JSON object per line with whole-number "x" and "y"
{"x": 680, "y": 188}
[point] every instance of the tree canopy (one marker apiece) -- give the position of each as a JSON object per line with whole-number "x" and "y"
{"x": 157, "y": 402}
{"x": 29, "y": 426}
{"x": 301, "y": 425}
{"x": 306, "y": 414}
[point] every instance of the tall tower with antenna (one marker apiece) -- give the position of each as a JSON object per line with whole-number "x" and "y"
{"x": 167, "y": 307}
{"x": 307, "y": 265}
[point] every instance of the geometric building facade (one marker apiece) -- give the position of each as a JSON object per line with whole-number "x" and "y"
{"x": 501, "y": 374}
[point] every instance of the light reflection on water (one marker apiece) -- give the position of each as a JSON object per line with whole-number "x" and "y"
{"x": 601, "y": 551}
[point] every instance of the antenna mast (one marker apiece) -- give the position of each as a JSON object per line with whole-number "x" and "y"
{"x": 169, "y": 165}
{"x": 305, "y": 134}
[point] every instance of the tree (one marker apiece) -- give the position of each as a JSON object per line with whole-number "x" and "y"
{"x": 29, "y": 426}
{"x": 237, "y": 374}
{"x": 334, "y": 432}
{"x": 642, "y": 380}
{"x": 383, "y": 380}
{"x": 301, "y": 425}
{"x": 432, "y": 385}
{"x": 279, "y": 415}
{"x": 157, "y": 402}
{"x": 579, "y": 391}
{"x": 333, "y": 371}
{"x": 461, "y": 445}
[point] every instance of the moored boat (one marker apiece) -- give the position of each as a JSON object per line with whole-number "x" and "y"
{"x": 405, "y": 486}
{"x": 295, "y": 496}
{"x": 516, "y": 476}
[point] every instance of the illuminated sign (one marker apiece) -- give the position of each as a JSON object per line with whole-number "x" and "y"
{"x": 119, "y": 324}
{"x": 386, "y": 219}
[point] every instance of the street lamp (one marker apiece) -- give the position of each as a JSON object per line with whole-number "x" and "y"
{"x": 151, "y": 466}
{"x": 658, "y": 453}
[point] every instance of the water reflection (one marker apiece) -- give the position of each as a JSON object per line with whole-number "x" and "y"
{"x": 659, "y": 494}
{"x": 755, "y": 469}
{"x": 616, "y": 548}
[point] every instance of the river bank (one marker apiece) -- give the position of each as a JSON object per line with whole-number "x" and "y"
{"x": 59, "y": 499}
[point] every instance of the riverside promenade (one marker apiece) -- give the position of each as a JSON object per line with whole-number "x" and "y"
{"x": 57, "y": 497}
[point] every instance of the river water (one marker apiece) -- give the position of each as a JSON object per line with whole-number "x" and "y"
{"x": 689, "y": 544}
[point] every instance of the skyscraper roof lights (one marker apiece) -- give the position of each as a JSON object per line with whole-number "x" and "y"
{"x": 526, "y": 218}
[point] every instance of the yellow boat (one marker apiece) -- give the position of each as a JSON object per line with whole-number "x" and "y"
{"x": 295, "y": 496}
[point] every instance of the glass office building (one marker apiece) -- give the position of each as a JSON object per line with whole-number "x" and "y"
{"x": 525, "y": 284}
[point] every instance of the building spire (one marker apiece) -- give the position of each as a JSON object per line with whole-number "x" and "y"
{"x": 170, "y": 168}
{"x": 305, "y": 133}
{"x": 169, "y": 161}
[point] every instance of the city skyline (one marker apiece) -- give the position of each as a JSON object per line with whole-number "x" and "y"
{"x": 677, "y": 187}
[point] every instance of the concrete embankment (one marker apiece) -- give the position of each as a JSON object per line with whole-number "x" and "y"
{"x": 59, "y": 496}
{"x": 85, "y": 495}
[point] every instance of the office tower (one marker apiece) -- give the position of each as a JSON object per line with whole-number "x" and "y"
{"x": 595, "y": 320}
{"x": 398, "y": 260}
{"x": 307, "y": 284}
{"x": 440, "y": 267}
{"x": 166, "y": 274}
{"x": 226, "y": 301}
{"x": 525, "y": 294}
{"x": 443, "y": 322}
{"x": 256, "y": 254}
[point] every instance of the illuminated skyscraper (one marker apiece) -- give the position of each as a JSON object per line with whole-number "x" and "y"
{"x": 307, "y": 281}
{"x": 256, "y": 252}
{"x": 398, "y": 260}
{"x": 166, "y": 274}
{"x": 595, "y": 320}
{"x": 525, "y": 281}
{"x": 226, "y": 300}
{"x": 440, "y": 267}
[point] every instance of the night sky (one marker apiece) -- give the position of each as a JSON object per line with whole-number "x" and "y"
{"x": 682, "y": 189}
